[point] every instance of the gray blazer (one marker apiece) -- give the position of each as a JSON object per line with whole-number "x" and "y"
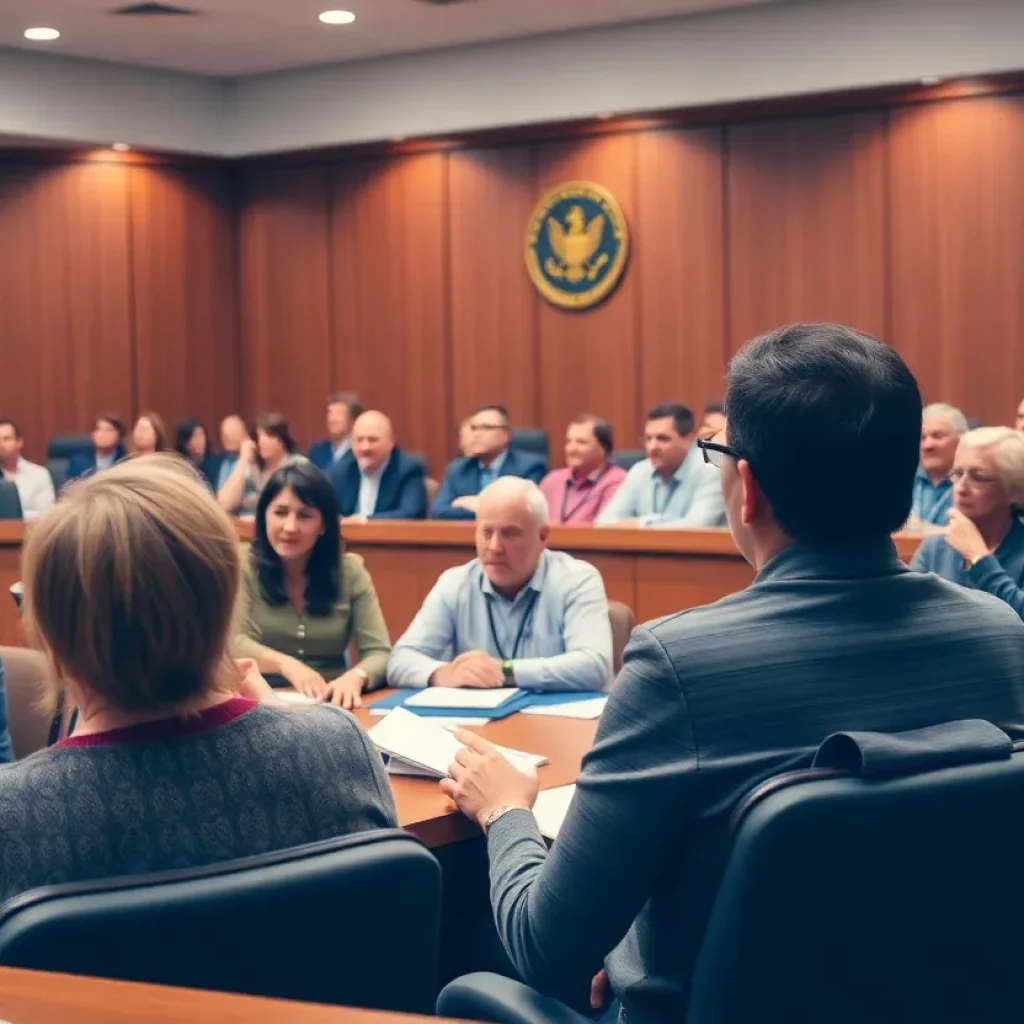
{"x": 709, "y": 702}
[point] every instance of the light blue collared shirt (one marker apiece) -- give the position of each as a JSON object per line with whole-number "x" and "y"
{"x": 932, "y": 502}
{"x": 341, "y": 449}
{"x": 369, "y": 488}
{"x": 488, "y": 474}
{"x": 691, "y": 498}
{"x": 566, "y": 643}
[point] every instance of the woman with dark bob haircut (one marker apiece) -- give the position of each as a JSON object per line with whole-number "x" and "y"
{"x": 270, "y": 448}
{"x": 192, "y": 443}
{"x": 305, "y": 598}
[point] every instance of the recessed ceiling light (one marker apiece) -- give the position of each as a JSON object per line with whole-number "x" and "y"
{"x": 337, "y": 17}
{"x": 42, "y": 35}
{"x": 121, "y": 147}
{"x": 931, "y": 80}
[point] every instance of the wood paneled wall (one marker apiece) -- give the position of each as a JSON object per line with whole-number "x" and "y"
{"x": 117, "y": 293}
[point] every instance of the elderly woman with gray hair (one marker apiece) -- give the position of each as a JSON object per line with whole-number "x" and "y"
{"x": 983, "y": 545}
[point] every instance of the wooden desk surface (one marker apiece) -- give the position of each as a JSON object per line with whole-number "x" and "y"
{"x": 32, "y": 997}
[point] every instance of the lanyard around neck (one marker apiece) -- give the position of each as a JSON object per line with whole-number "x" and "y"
{"x": 527, "y": 615}
{"x": 587, "y": 495}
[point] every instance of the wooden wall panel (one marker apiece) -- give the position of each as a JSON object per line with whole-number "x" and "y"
{"x": 957, "y": 209}
{"x": 806, "y": 212}
{"x": 493, "y": 303}
{"x": 285, "y": 300}
{"x": 185, "y": 302}
{"x": 65, "y": 324}
{"x": 678, "y": 247}
{"x": 390, "y": 286}
{"x": 588, "y": 359}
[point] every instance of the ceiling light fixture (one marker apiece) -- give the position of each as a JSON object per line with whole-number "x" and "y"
{"x": 337, "y": 17}
{"x": 120, "y": 147}
{"x": 42, "y": 35}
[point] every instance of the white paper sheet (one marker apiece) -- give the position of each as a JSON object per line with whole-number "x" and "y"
{"x": 588, "y": 709}
{"x": 294, "y": 697}
{"x": 461, "y": 699}
{"x": 551, "y": 808}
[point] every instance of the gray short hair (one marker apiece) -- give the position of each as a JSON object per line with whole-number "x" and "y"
{"x": 950, "y": 413}
{"x": 1008, "y": 453}
{"x": 517, "y": 487}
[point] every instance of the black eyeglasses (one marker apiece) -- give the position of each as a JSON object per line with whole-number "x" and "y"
{"x": 714, "y": 453}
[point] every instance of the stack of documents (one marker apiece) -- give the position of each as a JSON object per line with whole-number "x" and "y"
{"x": 449, "y": 702}
{"x": 586, "y": 709}
{"x": 419, "y": 746}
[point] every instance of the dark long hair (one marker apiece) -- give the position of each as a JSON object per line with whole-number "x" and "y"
{"x": 183, "y": 432}
{"x": 274, "y": 424}
{"x": 323, "y": 579}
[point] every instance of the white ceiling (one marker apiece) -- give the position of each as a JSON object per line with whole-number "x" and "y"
{"x": 244, "y": 37}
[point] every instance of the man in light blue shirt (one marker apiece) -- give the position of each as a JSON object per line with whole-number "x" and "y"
{"x": 673, "y": 487}
{"x": 942, "y": 426}
{"x": 517, "y": 615}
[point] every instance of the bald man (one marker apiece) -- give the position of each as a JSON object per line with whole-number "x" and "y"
{"x": 375, "y": 479}
{"x": 233, "y": 432}
{"x": 517, "y": 615}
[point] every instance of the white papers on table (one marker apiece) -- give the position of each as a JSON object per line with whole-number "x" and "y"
{"x": 551, "y": 808}
{"x": 419, "y": 743}
{"x": 294, "y": 697}
{"x": 575, "y": 709}
{"x": 461, "y": 699}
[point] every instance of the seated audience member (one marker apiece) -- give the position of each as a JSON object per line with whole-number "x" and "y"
{"x": 983, "y": 545}
{"x": 672, "y": 487}
{"x": 342, "y": 411}
{"x": 1020, "y": 416}
{"x": 272, "y": 449}
{"x": 149, "y": 435}
{"x": 577, "y": 493}
{"x": 108, "y": 447}
{"x": 490, "y": 457}
{"x": 517, "y": 615}
{"x": 714, "y": 421}
{"x": 942, "y": 426}
{"x": 192, "y": 444}
{"x": 834, "y": 634}
{"x": 375, "y": 479}
{"x": 6, "y": 747}
{"x": 130, "y": 590}
{"x": 305, "y": 599}
{"x": 34, "y": 483}
{"x": 233, "y": 433}
{"x": 466, "y": 437}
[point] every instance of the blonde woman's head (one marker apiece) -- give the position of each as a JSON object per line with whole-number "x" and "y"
{"x": 130, "y": 585}
{"x": 988, "y": 471}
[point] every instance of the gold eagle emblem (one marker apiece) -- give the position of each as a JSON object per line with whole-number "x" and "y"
{"x": 576, "y": 245}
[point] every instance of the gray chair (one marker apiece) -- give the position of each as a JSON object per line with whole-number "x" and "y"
{"x": 10, "y": 500}
{"x": 623, "y": 622}
{"x": 317, "y": 923}
{"x": 882, "y": 891}
{"x": 59, "y": 451}
{"x": 627, "y": 458}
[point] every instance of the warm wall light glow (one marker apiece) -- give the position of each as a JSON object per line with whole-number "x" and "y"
{"x": 931, "y": 80}
{"x": 42, "y": 35}
{"x": 121, "y": 147}
{"x": 337, "y": 17}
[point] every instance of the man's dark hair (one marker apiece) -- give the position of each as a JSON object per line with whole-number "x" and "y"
{"x": 4, "y": 422}
{"x": 830, "y": 421}
{"x": 715, "y": 406}
{"x": 602, "y": 430}
{"x": 350, "y": 401}
{"x": 681, "y": 415}
{"x": 499, "y": 409}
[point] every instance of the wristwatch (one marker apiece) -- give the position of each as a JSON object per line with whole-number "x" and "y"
{"x": 498, "y": 812}
{"x": 508, "y": 672}
{"x": 362, "y": 672}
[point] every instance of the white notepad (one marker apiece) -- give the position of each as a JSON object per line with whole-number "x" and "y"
{"x": 575, "y": 709}
{"x": 461, "y": 699}
{"x": 418, "y": 743}
{"x": 551, "y": 808}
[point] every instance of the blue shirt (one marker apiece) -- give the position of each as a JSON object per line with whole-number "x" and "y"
{"x": 932, "y": 502}
{"x": 488, "y": 474}
{"x": 566, "y": 643}
{"x": 1000, "y": 574}
{"x": 227, "y": 467}
{"x": 692, "y": 496}
{"x": 6, "y": 747}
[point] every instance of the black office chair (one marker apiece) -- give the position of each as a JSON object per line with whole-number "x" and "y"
{"x": 627, "y": 458}
{"x": 59, "y": 451}
{"x": 852, "y": 900}
{"x": 315, "y": 923}
{"x": 10, "y": 500}
{"x": 533, "y": 440}
{"x": 421, "y": 460}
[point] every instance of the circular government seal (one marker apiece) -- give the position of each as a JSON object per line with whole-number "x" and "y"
{"x": 576, "y": 245}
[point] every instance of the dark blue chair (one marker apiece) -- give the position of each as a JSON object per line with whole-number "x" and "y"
{"x": 10, "y": 500}
{"x": 627, "y": 458}
{"x": 313, "y": 923}
{"x": 59, "y": 451}
{"x": 851, "y": 896}
{"x": 533, "y": 440}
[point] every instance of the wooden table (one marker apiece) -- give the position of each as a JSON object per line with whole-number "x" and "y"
{"x": 32, "y": 997}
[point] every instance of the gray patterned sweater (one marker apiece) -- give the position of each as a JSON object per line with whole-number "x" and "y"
{"x": 239, "y": 779}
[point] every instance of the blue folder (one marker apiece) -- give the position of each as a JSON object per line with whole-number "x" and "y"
{"x": 525, "y": 699}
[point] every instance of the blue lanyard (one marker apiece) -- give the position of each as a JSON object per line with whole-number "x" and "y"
{"x": 531, "y": 601}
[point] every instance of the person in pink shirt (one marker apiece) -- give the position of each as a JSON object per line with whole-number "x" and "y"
{"x": 576, "y": 494}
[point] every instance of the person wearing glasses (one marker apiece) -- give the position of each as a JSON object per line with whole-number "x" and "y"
{"x": 490, "y": 457}
{"x": 577, "y": 494}
{"x": 982, "y": 547}
{"x": 672, "y": 488}
{"x": 517, "y": 615}
{"x": 835, "y": 634}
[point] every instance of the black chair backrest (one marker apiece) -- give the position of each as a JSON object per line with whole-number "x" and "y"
{"x": 10, "y": 500}
{"x": 314, "y": 923}
{"x": 627, "y": 458}
{"x": 533, "y": 440}
{"x": 856, "y": 900}
{"x": 59, "y": 451}
{"x": 421, "y": 460}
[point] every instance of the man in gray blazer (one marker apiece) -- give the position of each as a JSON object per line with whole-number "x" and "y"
{"x": 834, "y": 634}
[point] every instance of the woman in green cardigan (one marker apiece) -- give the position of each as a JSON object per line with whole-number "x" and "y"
{"x": 304, "y": 599}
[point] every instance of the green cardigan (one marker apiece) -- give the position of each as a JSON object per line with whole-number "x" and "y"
{"x": 320, "y": 641}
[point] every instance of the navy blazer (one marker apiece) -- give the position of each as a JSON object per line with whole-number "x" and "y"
{"x": 402, "y": 493}
{"x": 84, "y": 463}
{"x": 462, "y": 479}
{"x": 321, "y": 454}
